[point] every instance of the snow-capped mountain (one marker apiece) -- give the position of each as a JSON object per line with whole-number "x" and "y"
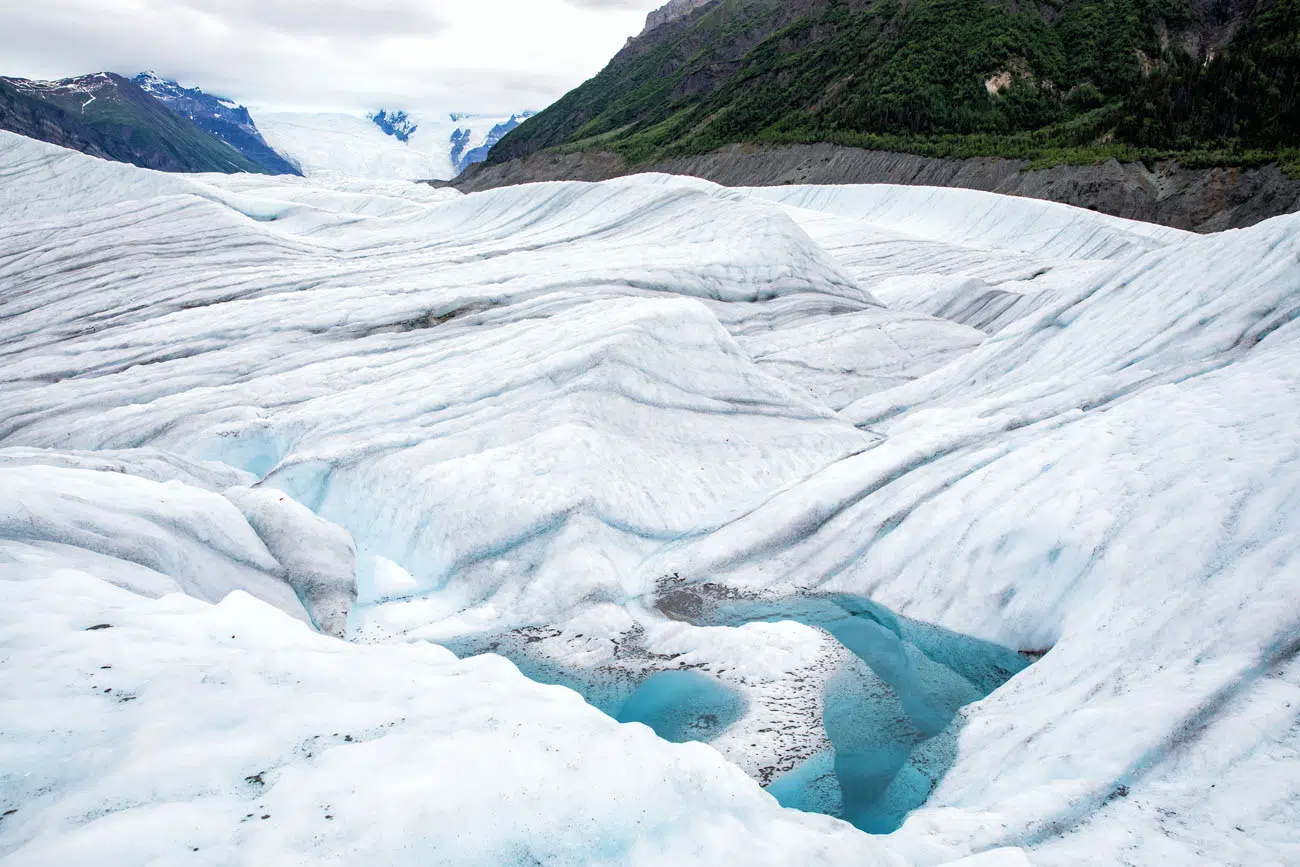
{"x": 398, "y": 124}
{"x": 114, "y": 118}
{"x": 222, "y": 118}
{"x": 385, "y": 145}
{"x": 158, "y": 123}
{"x": 466, "y": 146}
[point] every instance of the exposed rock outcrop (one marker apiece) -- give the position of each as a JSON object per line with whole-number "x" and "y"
{"x": 671, "y": 11}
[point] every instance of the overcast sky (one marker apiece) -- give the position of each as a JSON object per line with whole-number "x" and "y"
{"x": 358, "y": 55}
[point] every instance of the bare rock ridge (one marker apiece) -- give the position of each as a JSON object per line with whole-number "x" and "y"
{"x": 1203, "y": 200}
{"x": 671, "y": 11}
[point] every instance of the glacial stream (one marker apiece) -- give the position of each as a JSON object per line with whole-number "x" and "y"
{"x": 892, "y": 720}
{"x": 890, "y": 716}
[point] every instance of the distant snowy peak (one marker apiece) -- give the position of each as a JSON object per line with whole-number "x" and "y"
{"x": 75, "y": 93}
{"x": 398, "y": 124}
{"x": 464, "y": 153}
{"x": 469, "y": 144}
{"x": 192, "y": 100}
{"x": 81, "y": 84}
{"x": 388, "y": 144}
{"x": 222, "y": 118}
{"x": 115, "y": 118}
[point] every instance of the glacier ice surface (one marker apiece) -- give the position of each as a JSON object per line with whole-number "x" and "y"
{"x": 521, "y": 421}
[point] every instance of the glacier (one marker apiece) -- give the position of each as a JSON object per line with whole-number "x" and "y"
{"x": 745, "y": 466}
{"x": 422, "y": 146}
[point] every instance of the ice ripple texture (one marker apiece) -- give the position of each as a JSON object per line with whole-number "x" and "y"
{"x": 398, "y": 414}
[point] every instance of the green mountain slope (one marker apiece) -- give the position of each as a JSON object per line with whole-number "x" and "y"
{"x": 111, "y": 117}
{"x": 1051, "y": 80}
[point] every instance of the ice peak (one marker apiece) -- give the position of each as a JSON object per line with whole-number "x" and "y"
{"x": 398, "y": 124}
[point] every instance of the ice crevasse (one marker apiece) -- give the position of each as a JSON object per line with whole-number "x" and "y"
{"x": 642, "y": 432}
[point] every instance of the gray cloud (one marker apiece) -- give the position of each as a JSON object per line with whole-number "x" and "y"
{"x": 616, "y": 4}
{"x": 327, "y": 55}
{"x": 332, "y": 18}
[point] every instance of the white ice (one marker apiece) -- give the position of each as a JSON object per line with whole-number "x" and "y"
{"x": 412, "y": 415}
{"x": 185, "y": 733}
{"x": 336, "y": 145}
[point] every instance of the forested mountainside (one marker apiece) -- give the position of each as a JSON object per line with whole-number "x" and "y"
{"x": 1209, "y": 82}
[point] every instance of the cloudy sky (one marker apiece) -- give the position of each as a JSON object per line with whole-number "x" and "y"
{"x": 466, "y": 55}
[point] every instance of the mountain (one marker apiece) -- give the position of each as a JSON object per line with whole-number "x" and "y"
{"x": 468, "y": 149}
{"x": 387, "y": 144}
{"x": 398, "y": 124}
{"x": 1212, "y": 82}
{"x": 671, "y": 11}
{"x": 222, "y": 118}
{"x": 1200, "y": 198}
{"x": 111, "y": 117}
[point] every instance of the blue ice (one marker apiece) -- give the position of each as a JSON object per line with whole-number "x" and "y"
{"x": 892, "y": 721}
{"x": 683, "y": 706}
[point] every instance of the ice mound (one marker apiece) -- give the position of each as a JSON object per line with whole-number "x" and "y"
{"x": 972, "y": 257}
{"x": 537, "y": 422}
{"x": 148, "y": 537}
{"x": 172, "y": 732}
{"x": 1107, "y": 478}
{"x": 971, "y": 218}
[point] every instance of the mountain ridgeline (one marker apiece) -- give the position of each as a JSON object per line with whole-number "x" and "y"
{"x": 1208, "y": 82}
{"x": 222, "y": 118}
{"x": 111, "y": 117}
{"x": 146, "y": 121}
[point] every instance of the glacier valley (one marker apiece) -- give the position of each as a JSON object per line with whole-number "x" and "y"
{"x": 644, "y": 522}
{"x": 385, "y": 145}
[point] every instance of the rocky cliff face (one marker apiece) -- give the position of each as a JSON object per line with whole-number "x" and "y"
{"x": 671, "y": 11}
{"x": 1204, "y": 200}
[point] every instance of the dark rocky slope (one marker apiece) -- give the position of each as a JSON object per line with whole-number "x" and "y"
{"x": 110, "y": 117}
{"x": 220, "y": 118}
{"x": 1204, "y": 200}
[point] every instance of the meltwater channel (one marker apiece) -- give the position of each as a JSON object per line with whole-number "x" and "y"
{"x": 891, "y": 717}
